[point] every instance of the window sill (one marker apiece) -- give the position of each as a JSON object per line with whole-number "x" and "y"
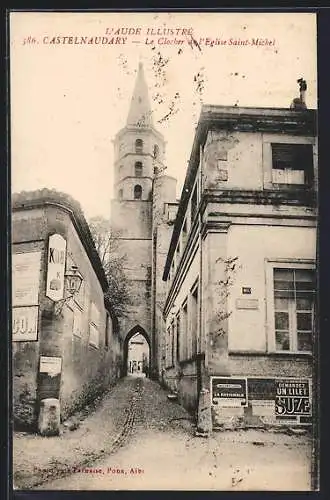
{"x": 302, "y": 354}
{"x": 286, "y": 354}
{"x": 290, "y": 187}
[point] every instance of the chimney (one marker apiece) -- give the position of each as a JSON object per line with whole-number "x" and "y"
{"x": 299, "y": 103}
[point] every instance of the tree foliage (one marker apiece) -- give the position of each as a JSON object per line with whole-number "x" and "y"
{"x": 106, "y": 240}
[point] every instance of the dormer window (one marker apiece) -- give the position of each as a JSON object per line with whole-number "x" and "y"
{"x": 139, "y": 146}
{"x": 292, "y": 164}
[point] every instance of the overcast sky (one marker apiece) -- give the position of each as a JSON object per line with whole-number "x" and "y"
{"x": 69, "y": 100}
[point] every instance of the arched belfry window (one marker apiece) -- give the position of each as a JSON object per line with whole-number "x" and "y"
{"x": 120, "y": 194}
{"x": 156, "y": 151}
{"x": 137, "y": 192}
{"x": 138, "y": 169}
{"x": 139, "y": 146}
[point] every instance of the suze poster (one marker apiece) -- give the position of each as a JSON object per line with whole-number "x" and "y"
{"x": 72, "y": 81}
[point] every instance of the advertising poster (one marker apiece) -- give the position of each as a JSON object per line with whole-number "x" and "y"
{"x": 189, "y": 142}
{"x": 229, "y": 392}
{"x": 25, "y": 323}
{"x": 25, "y": 278}
{"x": 293, "y": 398}
{"x": 55, "y": 267}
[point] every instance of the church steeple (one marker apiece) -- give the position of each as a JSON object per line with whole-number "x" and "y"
{"x": 140, "y": 114}
{"x": 139, "y": 149}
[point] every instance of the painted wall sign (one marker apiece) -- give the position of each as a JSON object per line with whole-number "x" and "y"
{"x": 56, "y": 267}
{"x": 36, "y": 213}
{"x": 292, "y": 398}
{"x": 25, "y": 278}
{"x": 247, "y": 304}
{"x": 51, "y": 365}
{"x": 229, "y": 391}
{"x": 25, "y": 323}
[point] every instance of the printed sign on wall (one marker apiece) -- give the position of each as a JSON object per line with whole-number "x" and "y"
{"x": 51, "y": 365}
{"x": 281, "y": 398}
{"x": 25, "y": 278}
{"x": 229, "y": 392}
{"x": 49, "y": 377}
{"x": 25, "y": 323}
{"x": 56, "y": 267}
{"x": 292, "y": 398}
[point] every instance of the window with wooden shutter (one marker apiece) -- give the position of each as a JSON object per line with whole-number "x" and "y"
{"x": 292, "y": 164}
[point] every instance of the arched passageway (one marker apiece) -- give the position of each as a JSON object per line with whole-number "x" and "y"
{"x": 136, "y": 360}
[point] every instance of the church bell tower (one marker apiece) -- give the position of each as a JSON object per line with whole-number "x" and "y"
{"x": 139, "y": 148}
{"x": 139, "y": 151}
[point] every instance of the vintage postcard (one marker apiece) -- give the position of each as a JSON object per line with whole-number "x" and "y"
{"x": 164, "y": 217}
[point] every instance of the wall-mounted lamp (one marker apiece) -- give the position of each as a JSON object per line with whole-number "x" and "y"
{"x": 73, "y": 281}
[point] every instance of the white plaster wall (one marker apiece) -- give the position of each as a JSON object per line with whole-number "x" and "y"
{"x": 187, "y": 283}
{"x": 253, "y": 245}
{"x": 245, "y": 162}
{"x": 248, "y": 161}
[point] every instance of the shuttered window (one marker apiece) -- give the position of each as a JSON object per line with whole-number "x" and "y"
{"x": 292, "y": 163}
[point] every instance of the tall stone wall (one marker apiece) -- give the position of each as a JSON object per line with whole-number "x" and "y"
{"x": 86, "y": 366}
{"x": 164, "y": 192}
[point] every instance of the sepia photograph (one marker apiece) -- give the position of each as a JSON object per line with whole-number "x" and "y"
{"x": 164, "y": 216}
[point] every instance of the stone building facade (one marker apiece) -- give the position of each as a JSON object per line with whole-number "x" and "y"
{"x": 65, "y": 346}
{"x": 143, "y": 210}
{"x": 241, "y": 268}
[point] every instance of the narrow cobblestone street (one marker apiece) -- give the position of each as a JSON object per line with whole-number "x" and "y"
{"x": 137, "y": 439}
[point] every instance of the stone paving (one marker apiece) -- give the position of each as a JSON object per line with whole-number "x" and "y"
{"x": 139, "y": 440}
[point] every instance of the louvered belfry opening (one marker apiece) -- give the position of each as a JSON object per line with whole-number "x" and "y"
{"x": 137, "y": 192}
{"x": 138, "y": 169}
